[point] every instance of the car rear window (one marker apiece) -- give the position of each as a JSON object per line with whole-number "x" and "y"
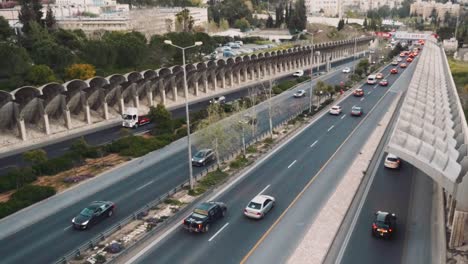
{"x": 253, "y": 205}
{"x": 392, "y": 159}
{"x": 200, "y": 211}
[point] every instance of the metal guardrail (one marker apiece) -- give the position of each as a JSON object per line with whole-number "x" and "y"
{"x": 72, "y": 255}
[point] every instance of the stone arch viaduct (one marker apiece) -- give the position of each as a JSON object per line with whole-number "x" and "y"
{"x": 56, "y": 107}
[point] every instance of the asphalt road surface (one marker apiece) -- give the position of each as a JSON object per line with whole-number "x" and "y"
{"x": 283, "y": 175}
{"x": 9, "y": 161}
{"x": 49, "y": 239}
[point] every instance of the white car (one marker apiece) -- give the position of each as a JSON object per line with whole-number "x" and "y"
{"x": 346, "y": 70}
{"x": 259, "y": 206}
{"x": 392, "y": 161}
{"x": 298, "y": 73}
{"x": 399, "y": 59}
{"x": 299, "y": 94}
{"x": 335, "y": 110}
{"x": 218, "y": 100}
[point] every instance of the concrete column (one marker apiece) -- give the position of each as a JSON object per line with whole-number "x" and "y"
{"x": 231, "y": 79}
{"x": 252, "y": 73}
{"x": 46, "y": 124}
{"x": 68, "y": 122}
{"x": 223, "y": 81}
{"x": 238, "y": 76}
{"x": 106, "y": 111}
{"x": 149, "y": 95}
{"x": 163, "y": 95}
{"x": 22, "y": 129}
{"x": 88, "y": 115}
{"x": 174, "y": 92}
{"x": 215, "y": 83}
{"x": 205, "y": 83}
{"x": 196, "y": 88}
{"x": 121, "y": 105}
{"x": 458, "y": 229}
{"x": 245, "y": 74}
{"x": 136, "y": 99}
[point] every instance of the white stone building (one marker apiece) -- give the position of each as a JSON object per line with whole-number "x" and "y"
{"x": 424, "y": 9}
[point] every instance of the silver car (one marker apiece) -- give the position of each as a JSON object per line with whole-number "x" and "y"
{"x": 259, "y": 206}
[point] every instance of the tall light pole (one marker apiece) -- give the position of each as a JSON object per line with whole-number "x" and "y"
{"x": 187, "y": 115}
{"x": 311, "y": 68}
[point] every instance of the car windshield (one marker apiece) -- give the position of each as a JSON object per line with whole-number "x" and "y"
{"x": 200, "y": 212}
{"x": 200, "y": 154}
{"x": 87, "y": 212}
{"x": 392, "y": 159}
{"x": 255, "y": 206}
{"x": 127, "y": 117}
{"x": 356, "y": 108}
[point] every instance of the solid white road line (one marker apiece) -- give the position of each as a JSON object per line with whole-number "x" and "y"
{"x": 343, "y": 116}
{"x": 330, "y": 128}
{"x": 268, "y": 186}
{"x": 290, "y": 165}
{"x": 219, "y": 231}
{"x": 313, "y": 144}
{"x": 67, "y": 228}
{"x": 144, "y": 185}
{"x": 362, "y": 99}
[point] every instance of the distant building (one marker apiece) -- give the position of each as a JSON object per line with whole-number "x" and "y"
{"x": 424, "y": 9}
{"x": 333, "y": 8}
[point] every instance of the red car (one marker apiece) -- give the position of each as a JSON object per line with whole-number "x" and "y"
{"x": 383, "y": 82}
{"x": 403, "y": 65}
{"x": 409, "y": 60}
{"x": 411, "y": 55}
{"x": 394, "y": 71}
{"x": 358, "y": 92}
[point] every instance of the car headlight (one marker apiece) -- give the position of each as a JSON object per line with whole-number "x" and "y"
{"x": 85, "y": 223}
{"x": 73, "y": 220}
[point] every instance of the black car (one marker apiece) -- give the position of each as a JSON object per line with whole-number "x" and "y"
{"x": 384, "y": 224}
{"x": 203, "y": 215}
{"x": 93, "y": 214}
{"x": 203, "y": 156}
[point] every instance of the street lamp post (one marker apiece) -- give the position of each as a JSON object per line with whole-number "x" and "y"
{"x": 187, "y": 115}
{"x": 311, "y": 68}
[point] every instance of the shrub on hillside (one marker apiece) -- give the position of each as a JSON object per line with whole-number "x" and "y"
{"x": 16, "y": 178}
{"x": 24, "y": 197}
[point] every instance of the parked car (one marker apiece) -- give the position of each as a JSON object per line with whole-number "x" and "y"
{"x": 403, "y": 65}
{"x": 356, "y": 111}
{"x": 383, "y": 82}
{"x": 392, "y": 161}
{"x": 298, "y": 73}
{"x": 204, "y": 215}
{"x": 394, "y": 71}
{"x": 384, "y": 224}
{"x": 93, "y": 214}
{"x": 346, "y": 70}
{"x": 358, "y": 92}
{"x": 335, "y": 110}
{"x": 299, "y": 94}
{"x": 203, "y": 157}
{"x": 218, "y": 100}
{"x": 259, "y": 206}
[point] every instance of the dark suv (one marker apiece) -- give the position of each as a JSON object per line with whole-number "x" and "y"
{"x": 203, "y": 215}
{"x": 384, "y": 224}
{"x": 203, "y": 157}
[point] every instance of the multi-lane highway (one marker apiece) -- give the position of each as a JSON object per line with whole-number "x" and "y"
{"x": 283, "y": 175}
{"x": 50, "y": 238}
{"x": 106, "y": 135}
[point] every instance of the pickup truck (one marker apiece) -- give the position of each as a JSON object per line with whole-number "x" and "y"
{"x": 204, "y": 215}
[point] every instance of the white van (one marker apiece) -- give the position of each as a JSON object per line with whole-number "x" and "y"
{"x": 372, "y": 79}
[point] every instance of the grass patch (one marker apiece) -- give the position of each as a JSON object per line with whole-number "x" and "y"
{"x": 268, "y": 141}
{"x": 239, "y": 162}
{"x": 212, "y": 179}
{"x": 459, "y": 71}
{"x": 252, "y": 149}
{"x": 173, "y": 202}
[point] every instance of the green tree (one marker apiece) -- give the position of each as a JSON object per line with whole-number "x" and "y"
{"x": 131, "y": 48}
{"x": 364, "y": 24}
{"x": 162, "y": 120}
{"x": 50, "y": 21}
{"x": 35, "y": 156}
{"x": 31, "y": 11}
{"x": 14, "y": 63}
{"x": 73, "y": 40}
{"x": 231, "y": 10}
{"x": 5, "y": 30}
{"x": 184, "y": 21}
{"x": 242, "y": 24}
{"x": 100, "y": 53}
{"x": 224, "y": 24}
{"x": 341, "y": 24}
{"x": 40, "y": 74}
{"x": 297, "y": 17}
